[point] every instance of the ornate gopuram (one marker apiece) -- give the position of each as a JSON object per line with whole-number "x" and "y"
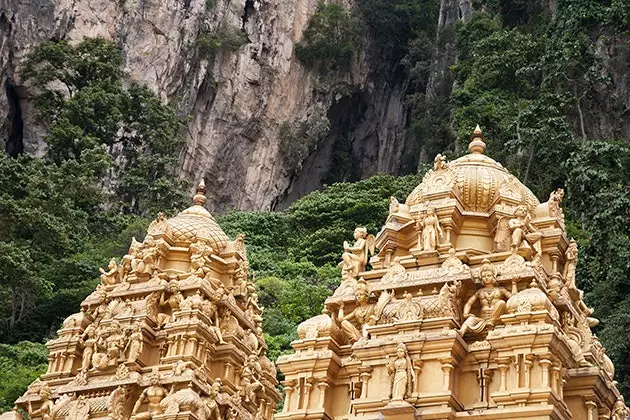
{"x": 470, "y": 311}
{"x": 173, "y": 332}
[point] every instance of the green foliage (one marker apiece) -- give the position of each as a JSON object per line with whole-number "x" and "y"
{"x": 105, "y": 128}
{"x": 598, "y": 184}
{"x": 331, "y": 37}
{"x": 225, "y": 38}
{"x": 392, "y": 24}
{"x": 294, "y": 254}
{"x": 20, "y": 364}
{"x": 299, "y": 139}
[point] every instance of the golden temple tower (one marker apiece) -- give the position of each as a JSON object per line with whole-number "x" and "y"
{"x": 470, "y": 310}
{"x": 172, "y": 333}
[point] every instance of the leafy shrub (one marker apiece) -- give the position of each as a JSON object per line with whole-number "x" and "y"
{"x": 332, "y": 36}
{"x": 226, "y": 38}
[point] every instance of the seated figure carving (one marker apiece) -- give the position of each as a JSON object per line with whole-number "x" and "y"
{"x": 491, "y": 298}
{"x": 365, "y": 313}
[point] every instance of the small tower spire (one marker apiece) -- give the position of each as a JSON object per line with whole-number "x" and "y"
{"x": 200, "y": 197}
{"x": 477, "y": 144}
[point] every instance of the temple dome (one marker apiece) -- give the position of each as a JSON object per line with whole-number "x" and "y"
{"x": 196, "y": 223}
{"x": 475, "y": 178}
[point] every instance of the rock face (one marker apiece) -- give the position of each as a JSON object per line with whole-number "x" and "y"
{"x": 235, "y": 102}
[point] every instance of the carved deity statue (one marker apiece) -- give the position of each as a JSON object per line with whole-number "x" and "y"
{"x": 431, "y": 232}
{"x": 45, "y": 410}
{"x": 112, "y": 275}
{"x": 153, "y": 395}
{"x": 115, "y": 342}
{"x": 173, "y": 302}
{"x": 439, "y": 163}
{"x": 135, "y": 344}
{"x": 144, "y": 263}
{"x": 523, "y": 232}
{"x": 491, "y": 298}
{"x": 355, "y": 257}
{"x": 364, "y": 313}
{"x": 250, "y": 378}
{"x": 200, "y": 258}
{"x": 211, "y": 406}
{"x": 89, "y": 347}
{"x": 620, "y": 411}
{"x": 571, "y": 256}
{"x": 555, "y": 198}
{"x": 401, "y": 373}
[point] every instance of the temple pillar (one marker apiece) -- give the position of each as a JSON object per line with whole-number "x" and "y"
{"x": 323, "y": 387}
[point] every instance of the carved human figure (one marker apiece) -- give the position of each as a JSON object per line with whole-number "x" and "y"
{"x": 241, "y": 276}
{"x": 45, "y": 410}
{"x": 99, "y": 312}
{"x": 211, "y": 310}
{"x": 200, "y": 258}
{"x": 394, "y": 205}
{"x": 153, "y": 395}
{"x": 620, "y": 411}
{"x": 555, "y": 198}
{"x": 355, "y": 257}
{"x": 352, "y": 323}
{"x": 89, "y": 347}
{"x": 211, "y": 406}
{"x": 491, "y": 298}
{"x": 135, "y": 344}
{"x": 144, "y": 263}
{"x": 173, "y": 302}
{"x": 112, "y": 275}
{"x": 439, "y": 163}
{"x": 523, "y": 231}
{"x": 115, "y": 342}
{"x": 250, "y": 378}
{"x": 431, "y": 231}
{"x": 571, "y": 256}
{"x": 401, "y": 373}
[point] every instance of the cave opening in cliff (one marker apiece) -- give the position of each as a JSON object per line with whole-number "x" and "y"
{"x": 14, "y": 145}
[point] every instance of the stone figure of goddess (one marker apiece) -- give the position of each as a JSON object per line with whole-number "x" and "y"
{"x": 401, "y": 373}
{"x": 492, "y": 299}
{"x": 432, "y": 231}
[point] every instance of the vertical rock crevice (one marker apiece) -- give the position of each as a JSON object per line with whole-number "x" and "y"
{"x": 14, "y": 144}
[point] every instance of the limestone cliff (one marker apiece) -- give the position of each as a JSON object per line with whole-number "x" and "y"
{"x": 235, "y": 102}
{"x": 242, "y": 105}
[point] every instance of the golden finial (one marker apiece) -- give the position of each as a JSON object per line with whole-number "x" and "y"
{"x": 477, "y": 144}
{"x": 200, "y": 197}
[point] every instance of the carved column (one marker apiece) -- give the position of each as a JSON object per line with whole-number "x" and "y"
{"x": 323, "y": 386}
{"x": 556, "y": 385}
{"x": 591, "y": 410}
{"x": 447, "y": 368}
{"x": 527, "y": 363}
{"x": 545, "y": 365}
{"x": 503, "y": 370}
{"x": 365, "y": 378}
{"x": 228, "y": 370}
{"x": 389, "y": 252}
{"x": 417, "y": 368}
{"x": 308, "y": 385}
{"x": 289, "y": 386}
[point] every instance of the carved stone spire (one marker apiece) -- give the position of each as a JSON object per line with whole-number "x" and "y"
{"x": 200, "y": 197}
{"x": 477, "y": 144}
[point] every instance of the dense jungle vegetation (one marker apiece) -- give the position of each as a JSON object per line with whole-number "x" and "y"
{"x": 526, "y": 75}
